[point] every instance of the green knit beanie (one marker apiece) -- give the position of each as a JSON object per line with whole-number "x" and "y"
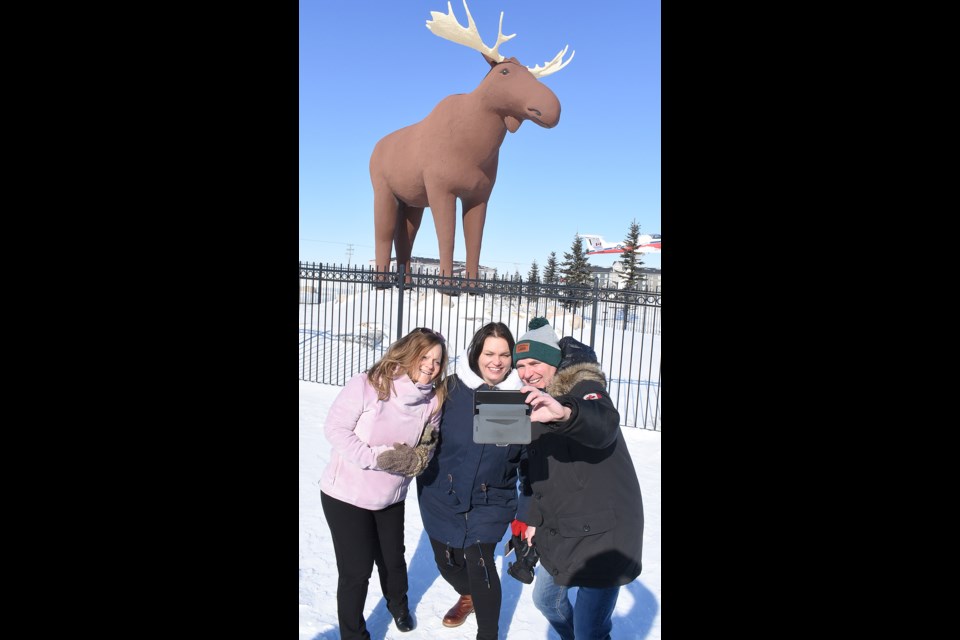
{"x": 540, "y": 343}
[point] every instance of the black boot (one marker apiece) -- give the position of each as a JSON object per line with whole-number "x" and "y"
{"x": 403, "y": 621}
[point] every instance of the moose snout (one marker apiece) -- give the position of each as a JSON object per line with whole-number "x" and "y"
{"x": 547, "y": 118}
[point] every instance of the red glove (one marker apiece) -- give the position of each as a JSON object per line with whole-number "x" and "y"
{"x": 518, "y": 528}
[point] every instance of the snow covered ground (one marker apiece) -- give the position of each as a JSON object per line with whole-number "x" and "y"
{"x": 638, "y": 610}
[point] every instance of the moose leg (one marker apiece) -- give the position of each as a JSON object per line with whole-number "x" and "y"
{"x": 411, "y": 218}
{"x": 474, "y": 218}
{"x": 444, "y": 210}
{"x": 386, "y": 214}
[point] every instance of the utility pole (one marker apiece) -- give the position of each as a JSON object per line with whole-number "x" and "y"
{"x": 349, "y": 253}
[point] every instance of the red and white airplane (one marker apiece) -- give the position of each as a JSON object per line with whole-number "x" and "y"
{"x": 597, "y": 246}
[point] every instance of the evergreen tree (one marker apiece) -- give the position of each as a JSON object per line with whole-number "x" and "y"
{"x": 631, "y": 261}
{"x": 575, "y": 268}
{"x": 550, "y": 273}
{"x": 534, "y": 274}
{"x": 533, "y": 277}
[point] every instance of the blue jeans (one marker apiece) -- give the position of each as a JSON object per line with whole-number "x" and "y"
{"x": 591, "y": 618}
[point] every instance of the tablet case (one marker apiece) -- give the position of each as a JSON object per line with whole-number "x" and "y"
{"x": 501, "y": 417}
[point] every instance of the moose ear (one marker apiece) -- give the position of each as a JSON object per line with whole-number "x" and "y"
{"x": 492, "y": 62}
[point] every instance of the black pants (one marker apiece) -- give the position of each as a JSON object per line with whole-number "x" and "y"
{"x": 362, "y": 538}
{"x": 473, "y": 572}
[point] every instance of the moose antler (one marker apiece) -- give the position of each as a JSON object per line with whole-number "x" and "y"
{"x": 449, "y": 28}
{"x": 553, "y": 66}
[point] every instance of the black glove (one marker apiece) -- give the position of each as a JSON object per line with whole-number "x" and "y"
{"x": 527, "y": 558}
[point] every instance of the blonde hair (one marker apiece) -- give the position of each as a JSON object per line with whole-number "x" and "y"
{"x": 402, "y": 357}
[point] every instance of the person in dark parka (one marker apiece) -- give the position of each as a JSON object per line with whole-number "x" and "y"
{"x": 581, "y": 497}
{"x": 468, "y": 493}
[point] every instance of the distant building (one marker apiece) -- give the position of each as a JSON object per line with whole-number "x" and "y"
{"x": 603, "y": 274}
{"x": 431, "y": 266}
{"x": 613, "y": 276}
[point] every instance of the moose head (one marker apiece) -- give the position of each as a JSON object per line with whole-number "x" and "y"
{"x": 454, "y": 151}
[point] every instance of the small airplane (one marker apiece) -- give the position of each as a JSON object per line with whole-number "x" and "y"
{"x": 596, "y": 245}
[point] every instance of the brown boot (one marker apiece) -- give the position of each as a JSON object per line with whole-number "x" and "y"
{"x": 458, "y": 614}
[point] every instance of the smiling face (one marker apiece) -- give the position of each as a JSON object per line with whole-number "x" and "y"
{"x": 429, "y": 367}
{"x": 535, "y": 373}
{"x": 494, "y": 360}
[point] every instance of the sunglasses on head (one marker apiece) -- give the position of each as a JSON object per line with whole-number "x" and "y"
{"x": 431, "y": 332}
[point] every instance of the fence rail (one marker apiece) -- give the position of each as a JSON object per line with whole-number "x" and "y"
{"x": 349, "y": 316}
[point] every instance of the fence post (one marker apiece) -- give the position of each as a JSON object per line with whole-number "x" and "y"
{"x": 402, "y": 276}
{"x": 593, "y": 318}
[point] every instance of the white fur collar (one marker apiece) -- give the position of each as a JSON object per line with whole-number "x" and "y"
{"x": 472, "y": 380}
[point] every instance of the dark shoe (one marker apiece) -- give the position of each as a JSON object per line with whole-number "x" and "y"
{"x": 458, "y": 614}
{"x": 404, "y": 622}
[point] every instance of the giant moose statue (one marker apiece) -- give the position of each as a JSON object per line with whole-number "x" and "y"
{"x": 454, "y": 151}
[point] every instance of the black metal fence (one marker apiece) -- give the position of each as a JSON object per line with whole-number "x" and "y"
{"x": 350, "y": 315}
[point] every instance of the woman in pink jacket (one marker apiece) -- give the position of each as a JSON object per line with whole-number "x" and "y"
{"x": 382, "y": 429}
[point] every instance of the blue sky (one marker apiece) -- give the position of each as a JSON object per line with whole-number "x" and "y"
{"x": 370, "y": 68}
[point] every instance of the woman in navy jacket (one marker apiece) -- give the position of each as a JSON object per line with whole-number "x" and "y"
{"x": 468, "y": 493}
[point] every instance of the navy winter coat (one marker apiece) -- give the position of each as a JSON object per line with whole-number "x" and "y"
{"x": 468, "y": 492}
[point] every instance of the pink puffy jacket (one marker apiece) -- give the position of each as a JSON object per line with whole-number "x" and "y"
{"x": 360, "y": 427}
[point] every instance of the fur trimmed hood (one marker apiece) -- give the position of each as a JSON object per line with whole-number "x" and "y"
{"x": 567, "y": 378}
